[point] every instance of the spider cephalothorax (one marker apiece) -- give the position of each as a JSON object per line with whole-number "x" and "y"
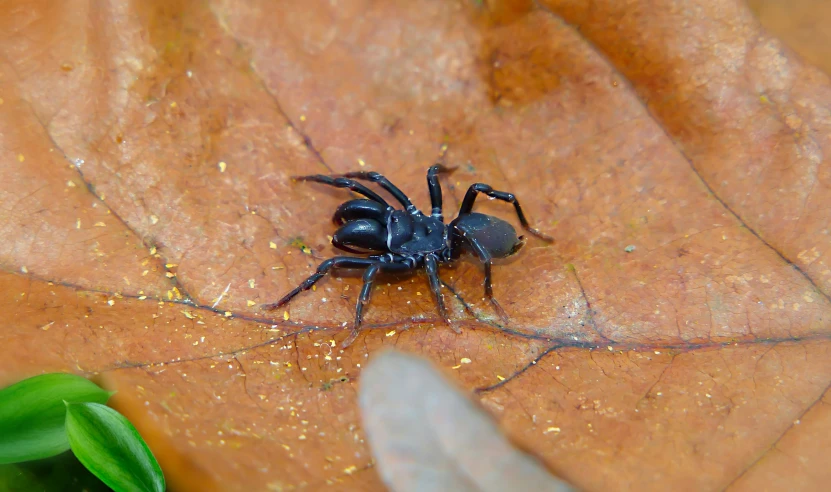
{"x": 398, "y": 240}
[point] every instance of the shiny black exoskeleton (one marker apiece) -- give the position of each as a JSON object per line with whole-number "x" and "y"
{"x": 407, "y": 239}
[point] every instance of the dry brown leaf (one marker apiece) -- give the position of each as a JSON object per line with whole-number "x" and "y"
{"x": 675, "y": 335}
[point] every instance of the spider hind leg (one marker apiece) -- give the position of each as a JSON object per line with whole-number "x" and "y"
{"x": 475, "y": 189}
{"x": 486, "y": 259}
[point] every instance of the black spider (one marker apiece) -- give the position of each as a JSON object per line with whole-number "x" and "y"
{"x": 407, "y": 239}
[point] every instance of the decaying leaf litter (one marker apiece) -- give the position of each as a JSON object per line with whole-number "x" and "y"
{"x": 609, "y": 145}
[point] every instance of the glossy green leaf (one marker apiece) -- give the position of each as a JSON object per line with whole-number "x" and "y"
{"x": 32, "y": 415}
{"x": 111, "y": 448}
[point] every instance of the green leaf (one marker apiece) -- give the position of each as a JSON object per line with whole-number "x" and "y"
{"x": 32, "y": 415}
{"x": 111, "y": 448}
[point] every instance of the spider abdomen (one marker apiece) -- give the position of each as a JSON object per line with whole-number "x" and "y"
{"x": 495, "y": 235}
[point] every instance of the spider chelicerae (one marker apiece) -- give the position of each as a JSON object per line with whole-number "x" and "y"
{"x": 406, "y": 240}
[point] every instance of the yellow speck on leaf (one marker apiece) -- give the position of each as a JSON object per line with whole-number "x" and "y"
{"x": 24, "y": 269}
{"x": 465, "y": 360}
{"x": 251, "y": 283}
{"x": 272, "y": 245}
{"x": 286, "y": 315}
{"x": 349, "y": 470}
{"x": 360, "y": 162}
{"x": 391, "y": 333}
{"x": 551, "y": 429}
{"x": 228, "y": 314}
{"x": 298, "y": 243}
{"x": 21, "y": 157}
{"x": 111, "y": 302}
{"x": 222, "y": 166}
{"x": 250, "y": 303}
{"x": 500, "y": 377}
{"x": 100, "y": 224}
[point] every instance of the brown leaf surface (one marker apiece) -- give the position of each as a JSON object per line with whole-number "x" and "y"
{"x": 426, "y": 434}
{"x": 147, "y": 148}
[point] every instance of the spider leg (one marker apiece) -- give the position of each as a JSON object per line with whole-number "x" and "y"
{"x": 322, "y": 270}
{"x": 432, "y": 267}
{"x": 487, "y": 260}
{"x": 344, "y": 183}
{"x": 435, "y": 189}
{"x": 366, "y": 292}
{"x": 386, "y": 184}
{"x": 475, "y": 189}
{"x": 363, "y": 299}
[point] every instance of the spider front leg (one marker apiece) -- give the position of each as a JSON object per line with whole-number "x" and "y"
{"x": 386, "y": 184}
{"x": 434, "y": 187}
{"x": 432, "y": 267}
{"x": 475, "y": 189}
{"x": 344, "y": 183}
{"x": 366, "y": 293}
{"x": 363, "y": 299}
{"x": 322, "y": 270}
